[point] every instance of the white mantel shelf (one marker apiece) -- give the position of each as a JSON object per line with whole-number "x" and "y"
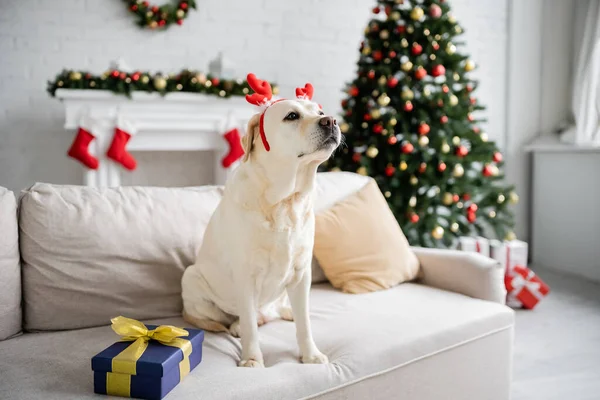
{"x": 552, "y": 144}
{"x": 174, "y": 122}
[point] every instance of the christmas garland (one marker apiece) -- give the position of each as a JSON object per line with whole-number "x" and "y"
{"x": 152, "y": 16}
{"x": 121, "y": 82}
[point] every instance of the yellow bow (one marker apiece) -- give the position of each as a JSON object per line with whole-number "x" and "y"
{"x": 124, "y": 364}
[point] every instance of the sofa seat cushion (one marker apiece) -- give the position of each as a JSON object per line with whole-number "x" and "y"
{"x": 363, "y": 335}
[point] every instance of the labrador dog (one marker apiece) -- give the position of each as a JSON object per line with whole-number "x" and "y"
{"x": 254, "y": 264}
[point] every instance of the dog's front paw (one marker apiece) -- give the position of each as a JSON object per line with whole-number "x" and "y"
{"x": 235, "y": 330}
{"x": 315, "y": 358}
{"x": 251, "y": 363}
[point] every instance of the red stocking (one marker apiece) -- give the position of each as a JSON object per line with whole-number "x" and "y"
{"x": 235, "y": 148}
{"x": 79, "y": 149}
{"x": 117, "y": 151}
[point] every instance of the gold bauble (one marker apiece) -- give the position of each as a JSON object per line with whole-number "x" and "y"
{"x": 393, "y": 121}
{"x": 383, "y": 100}
{"x": 450, "y": 48}
{"x": 447, "y": 198}
{"x": 153, "y": 25}
{"x": 362, "y": 171}
{"x": 410, "y": 29}
{"x": 456, "y": 76}
{"x": 426, "y": 32}
{"x": 427, "y": 92}
{"x": 484, "y": 137}
{"x": 460, "y": 204}
{"x": 417, "y": 13}
{"x": 382, "y": 80}
{"x": 387, "y": 194}
{"x": 457, "y": 29}
{"x": 395, "y": 16}
{"x": 60, "y": 83}
{"x": 75, "y": 75}
{"x": 407, "y": 94}
{"x": 384, "y": 132}
{"x": 344, "y": 127}
{"x": 160, "y": 83}
{"x": 335, "y": 169}
{"x": 375, "y": 114}
{"x": 469, "y": 65}
{"x": 149, "y": 14}
{"x": 366, "y": 50}
{"x": 513, "y": 198}
{"x": 145, "y": 79}
{"x": 437, "y": 232}
{"x": 456, "y": 140}
{"x": 494, "y": 170}
{"x": 201, "y": 78}
{"x": 412, "y": 202}
{"x": 92, "y": 84}
{"x": 432, "y": 57}
{"x": 209, "y": 84}
{"x": 454, "y": 227}
{"x": 501, "y": 198}
{"x": 414, "y": 180}
{"x": 492, "y": 214}
{"x": 438, "y": 37}
{"x": 406, "y": 66}
{"x": 451, "y": 18}
{"x": 179, "y": 86}
{"x": 445, "y": 148}
{"x": 364, "y": 125}
{"x": 180, "y": 13}
{"x": 453, "y": 100}
{"x": 384, "y": 34}
{"x": 372, "y": 152}
{"x": 510, "y": 236}
{"x": 404, "y": 42}
{"x": 403, "y": 166}
{"x": 458, "y": 171}
{"x": 375, "y": 93}
{"x": 423, "y": 141}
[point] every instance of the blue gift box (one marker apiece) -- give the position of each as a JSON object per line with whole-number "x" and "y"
{"x": 157, "y": 371}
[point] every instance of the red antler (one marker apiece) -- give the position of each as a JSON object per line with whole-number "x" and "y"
{"x": 306, "y": 92}
{"x": 262, "y": 88}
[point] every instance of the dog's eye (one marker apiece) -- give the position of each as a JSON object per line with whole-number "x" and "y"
{"x": 321, "y": 113}
{"x": 292, "y": 116}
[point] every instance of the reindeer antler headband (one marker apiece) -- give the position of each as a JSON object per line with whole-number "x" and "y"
{"x": 262, "y": 97}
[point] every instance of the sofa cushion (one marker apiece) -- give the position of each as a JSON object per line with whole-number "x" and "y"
{"x": 92, "y": 254}
{"x": 363, "y": 336}
{"x": 10, "y": 268}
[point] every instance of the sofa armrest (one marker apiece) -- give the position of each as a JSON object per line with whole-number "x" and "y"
{"x": 462, "y": 272}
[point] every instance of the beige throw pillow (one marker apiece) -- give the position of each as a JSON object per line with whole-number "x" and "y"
{"x": 360, "y": 245}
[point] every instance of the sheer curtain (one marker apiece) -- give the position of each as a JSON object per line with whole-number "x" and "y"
{"x": 585, "y": 102}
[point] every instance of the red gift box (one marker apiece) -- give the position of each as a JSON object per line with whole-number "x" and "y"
{"x": 525, "y": 288}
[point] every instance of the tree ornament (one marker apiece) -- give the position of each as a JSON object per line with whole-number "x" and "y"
{"x": 384, "y": 34}
{"x": 510, "y": 236}
{"x": 435, "y": 11}
{"x": 458, "y": 171}
{"x": 372, "y": 152}
{"x": 389, "y": 170}
{"x": 356, "y": 157}
{"x": 160, "y": 83}
{"x": 353, "y": 91}
{"x": 462, "y": 151}
{"x": 471, "y": 217}
{"x": 371, "y": 74}
{"x": 414, "y": 218}
{"x": 444, "y": 119}
{"x": 417, "y": 13}
{"x": 423, "y": 141}
{"x": 422, "y": 167}
{"x": 406, "y": 66}
{"x": 447, "y": 199}
{"x": 395, "y": 16}
{"x": 453, "y": 100}
{"x": 376, "y": 10}
{"x": 455, "y": 198}
{"x": 492, "y": 214}
{"x": 367, "y": 117}
{"x": 454, "y": 227}
{"x": 407, "y": 94}
{"x": 413, "y": 180}
{"x": 437, "y": 232}
{"x": 469, "y": 65}
{"x": 442, "y": 167}
{"x": 469, "y": 88}
{"x": 416, "y": 49}
{"x": 456, "y": 140}
{"x": 457, "y": 29}
{"x": 497, "y": 157}
{"x": 487, "y": 170}
{"x": 383, "y": 100}
{"x": 412, "y": 202}
{"x": 484, "y": 137}
{"x": 364, "y": 125}
{"x": 513, "y": 198}
{"x": 392, "y": 82}
{"x": 362, "y": 171}
{"x": 75, "y": 75}
{"x": 344, "y": 127}
{"x": 470, "y": 117}
{"x": 403, "y": 166}
{"x": 473, "y": 100}
{"x": 404, "y": 43}
{"x": 392, "y": 140}
{"x": 466, "y": 196}
{"x": 377, "y": 128}
{"x": 438, "y": 70}
{"x": 377, "y": 55}
{"x": 501, "y": 199}
{"x": 407, "y": 148}
{"x": 163, "y": 16}
{"x": 408, "y": 106}
{"x": 423, "y": 128}
{"x": 393, "y": 121}
{"x": 450, "y": 48}
{"x": 387, "y": 194}
{"x": 451, "y": 18}
{"x": 420, "y": 73}
{"x": 472, "y": 207}
{"x": 410, "y": 29}
{"x": 366, "y": 50}
{"x": 445, "y": 148}
{"x": 445, "y": 89}
{"x": 375, "y": 114}
{"x": 436, "y": 47}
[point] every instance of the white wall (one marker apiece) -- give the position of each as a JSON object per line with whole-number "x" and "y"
{"x": 286, "y": 41}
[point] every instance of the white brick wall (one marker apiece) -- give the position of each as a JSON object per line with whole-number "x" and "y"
{"x": 290, "y": 42}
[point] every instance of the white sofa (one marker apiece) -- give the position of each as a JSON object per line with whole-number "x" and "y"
{"x": 86, "y": 255}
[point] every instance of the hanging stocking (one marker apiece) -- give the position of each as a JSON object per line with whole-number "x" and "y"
{"x": 123, "y": 132}
{"x": 80, "y": 147}
{"x": 233, "y": 138}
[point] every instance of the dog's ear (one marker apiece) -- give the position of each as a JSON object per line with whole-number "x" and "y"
{"x": 251, "y": 134}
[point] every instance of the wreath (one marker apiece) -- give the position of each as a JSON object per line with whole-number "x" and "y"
{"x": 153, "y": 17}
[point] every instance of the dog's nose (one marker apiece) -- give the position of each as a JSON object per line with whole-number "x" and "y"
{"x": 328, "y": 122}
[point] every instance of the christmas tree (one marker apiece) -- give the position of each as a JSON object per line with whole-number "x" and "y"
{"x": 409, "y": 123}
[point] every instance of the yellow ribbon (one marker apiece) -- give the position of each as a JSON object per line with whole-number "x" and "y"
{"x": 118, "y": 382}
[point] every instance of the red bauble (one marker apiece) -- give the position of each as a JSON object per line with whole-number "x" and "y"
{"x": 401, "y": 29}
{"x": 377, "y": 129}
{"x": 145, "y": 4}
{"x": 420, "y": 73}
{"x": 344, "y": 103}
{"x": 215, "y": 81}
{"x": 444, "y": 119}
{"x": 123, "y": 75}
{"x": 435, "y": 46}
{"x": 416, "y": 49}
{"x": 476, "y": 129}
{"x": 445, "y": 89}
{"x": 392, "y": 54}
{"x": 115, "y": 74}
{"x": 389, "y": 170}
{"x": 435, "y": 11}
{"x": 183, "y": 6}
{"x": 455, "y": 198}
{"x": 356, "y": 157}
{"x": 392, "y": 82}
{"x": 487, "y": 170}
{"x": 497, "y": 157}
{"x": 422, "y": 168}
{"x": 353, "y": 91}
{"x": 392, "y": 140}
{"x": 424, "y": 129}
{"x": 388, "y": 10}
{"x": 470, "y": 117}
{"x": 154, "y": 9}
{"x": 376, "y": 10}
{"x": 162, "y": 22}
{"x": 471, "y": 217}
{"x": 408, "y": 106}
{"x": 472, "y": 208}
{"x": 469, "y": 88}
{"x": 371, "y": 74}
{"x": 473, "y": 100}
{"x": 134, "y": 7}
{"x": 367, "y": 117}
{"x": 414, "y": 218}
{"x": 442, "y": 167}
{"x": 348, "y": 113}
{"x": 438, "y": 70}
{"x": 377, "y": 55}
{"x": 440, "y": 103}
{"x": 462, "y": 151}
{"x": 136, "y": 76}
{"x": 88, "y": 76}
{"x": 466, "y": 196}
{"x": 179, "y": 22}
{"x": 407, "y": 148}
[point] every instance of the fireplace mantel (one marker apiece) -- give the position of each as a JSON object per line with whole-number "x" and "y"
{"x": 174, "y": 122}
